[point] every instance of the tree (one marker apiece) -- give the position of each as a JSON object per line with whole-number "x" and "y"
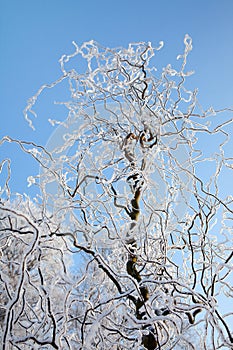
{"x": 33, "y": 277}
{"x": 124, "y": 192}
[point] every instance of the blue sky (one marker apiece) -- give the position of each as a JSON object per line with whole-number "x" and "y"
{"x": 35, "y": 34}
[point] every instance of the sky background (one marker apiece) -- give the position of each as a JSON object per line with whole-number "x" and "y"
{"x": 34, "y": 34}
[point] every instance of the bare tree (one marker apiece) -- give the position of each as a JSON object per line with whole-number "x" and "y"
{"x": 132, "y": 186}
{"x": 34, "y": 281}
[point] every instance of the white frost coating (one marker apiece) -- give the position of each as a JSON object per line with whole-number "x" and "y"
{"x": 134, "y": 187}
{"x": 31, "y": 180}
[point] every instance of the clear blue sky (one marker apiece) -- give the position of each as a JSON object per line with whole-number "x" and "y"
{"x": 35, "y": 33}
